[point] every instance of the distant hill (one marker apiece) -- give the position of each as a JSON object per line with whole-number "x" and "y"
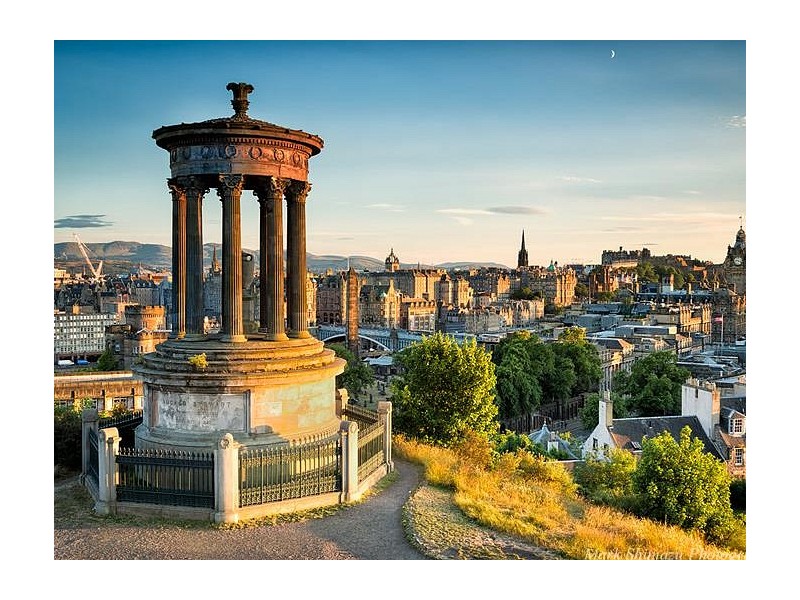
{"x": 120, "y": 257}
{"x": 463, "y": 266}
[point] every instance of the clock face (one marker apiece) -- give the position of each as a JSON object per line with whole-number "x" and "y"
{"x": 737, "y": 261}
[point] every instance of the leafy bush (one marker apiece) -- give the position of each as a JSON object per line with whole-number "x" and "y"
{"x": 738, "y": 494}
{"x": 67, "y": 437}
{"x": 609, "y": 480}
{"x": 681, "y": 484}
{"x": 199, "y": 362}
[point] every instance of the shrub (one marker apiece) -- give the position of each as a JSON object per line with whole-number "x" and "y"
{"x": 67, "y": 437}
{"x": 738, "y": 494}
{"x": 199, "y": 362}
{"x": 608, "y": 480}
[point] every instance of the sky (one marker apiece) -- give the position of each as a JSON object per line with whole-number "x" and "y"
{"x": 442, "y": 150}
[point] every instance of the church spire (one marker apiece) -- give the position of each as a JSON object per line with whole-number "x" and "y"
{"x": 522, "y": 257}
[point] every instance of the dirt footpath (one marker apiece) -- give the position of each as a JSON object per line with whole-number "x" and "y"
{"x": 371, "y": 530}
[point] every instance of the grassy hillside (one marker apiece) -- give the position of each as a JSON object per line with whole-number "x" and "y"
{"x": 537, "y": 501}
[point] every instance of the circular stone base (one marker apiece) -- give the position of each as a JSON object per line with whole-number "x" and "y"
{"x": 262, "y": 392}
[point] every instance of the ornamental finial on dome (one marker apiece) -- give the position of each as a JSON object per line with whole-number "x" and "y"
{"x": 240, "y": 101}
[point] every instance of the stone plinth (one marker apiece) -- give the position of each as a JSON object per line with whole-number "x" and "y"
{"x": 262, "y": 392}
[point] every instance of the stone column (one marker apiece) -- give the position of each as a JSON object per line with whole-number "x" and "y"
{"x": 195, "y": 190}
{"x": 226, "y": 484}
{"x": 348, "y": 432}
{"x": 230, "y": 192}
{"x": 178, "y": 310}
{"x": 385, "y": 415}
{"x": 270, "y": 198}
{"x": 296, "y": 265}
{"x": 342, "y": 396}
{"x": 107, "y": 449}
{"x": 89, "y": 418}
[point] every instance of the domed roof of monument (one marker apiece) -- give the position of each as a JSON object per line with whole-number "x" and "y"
{"x": 238, "y": 124}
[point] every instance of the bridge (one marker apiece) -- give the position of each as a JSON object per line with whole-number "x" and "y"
{"x": 388, "y": 340}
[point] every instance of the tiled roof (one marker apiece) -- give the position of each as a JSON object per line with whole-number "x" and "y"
{"x": 627, "y": 431}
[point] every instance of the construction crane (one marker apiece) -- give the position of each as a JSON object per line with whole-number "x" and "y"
{"x": 96, "y": 273}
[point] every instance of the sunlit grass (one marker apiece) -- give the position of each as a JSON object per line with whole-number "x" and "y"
{"x": 536, "y": 500}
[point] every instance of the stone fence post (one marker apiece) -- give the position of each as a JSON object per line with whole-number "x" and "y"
{"x": 89, "y": 418}
{"x": 385, "y": 415}
{"x": 226, "y": 480}
{"x": 107, "y": 449}
{"x": 342, "y": 398}
{"x": 348, "y": 430}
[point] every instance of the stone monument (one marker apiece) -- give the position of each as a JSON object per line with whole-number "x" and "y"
{"x": 276, "y": 385}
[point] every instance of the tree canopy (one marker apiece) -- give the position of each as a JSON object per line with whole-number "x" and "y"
{"x": 653, "y": 386}
{"x": 444, "y": 391}
{"x": 106, "y": 362}
{"x": 679, "y": 483}
{"x": 357, "y": 375}
{"x": 530, "y": 371}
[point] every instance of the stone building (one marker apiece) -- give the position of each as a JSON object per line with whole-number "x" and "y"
{"x": 331, "y": 299}
{"x": 735, "y": 263}
{"x": 379, "y": 305}
{"x": 418, "y": 314}
{"x": 392, "y": 262}
{"x": 79, "y": 333}
{"x": 454, "y": 291}
{"x": 491, "y": 280}
{"x": 212, "y": 289}
{"x": 624, "y": 258}
{"x": 687, "y": 318}
{"x": 143, "y": 329}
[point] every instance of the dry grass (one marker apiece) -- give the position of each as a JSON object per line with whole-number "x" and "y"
{"x": 536, "y": 501}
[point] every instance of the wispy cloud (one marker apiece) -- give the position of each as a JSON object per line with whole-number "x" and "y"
{"x": 465, "y": 221}
{"x": 737, "y": 121}
{"x": 575, "y": 179}
{"x": 494, "y": 210}
{"x": 387, "y": 207}
{"x": 517, "y": 210}
{"x": 693, "y": 192}
{"x": 81, "y": 221}
{"x": 688, "y": 217}
{"x": 463, "y": 211}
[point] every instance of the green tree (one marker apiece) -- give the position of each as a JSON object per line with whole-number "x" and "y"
{"x": 584, "y": 357}
{"x": 604, "y": 296}
{"x": 67, "y": 436}
{"x": 677, "y": 482}
{"x": 357, "y": 374}
{"x": 608, "y": 480}
{"x": 525, "y": 293}
{"x": 107, "y": 362}
{"x": 653, "y": 385}
{"x": 646, "y": 273}
{"x": 518, "y": 387}
{"x": 581, "y": 291}
{"x": 445, "y": 390}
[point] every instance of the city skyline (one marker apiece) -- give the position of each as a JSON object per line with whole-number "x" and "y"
{"x": 444, "y": 151}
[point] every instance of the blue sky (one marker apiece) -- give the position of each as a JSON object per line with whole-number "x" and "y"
{"x": 443, "y": 150}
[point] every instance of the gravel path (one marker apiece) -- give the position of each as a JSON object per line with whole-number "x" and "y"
{"x": 370, "y": 530}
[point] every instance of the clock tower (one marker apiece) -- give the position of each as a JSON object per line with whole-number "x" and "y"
{"x": 735, "y": 261}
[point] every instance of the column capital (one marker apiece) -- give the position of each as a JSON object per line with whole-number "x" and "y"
{"x": 178, "y": 191}
{"x": 230, "y": 184}
{"x": 298, "y": 191}
{"x": 189, "y": 185}
{"x": 271, "y": 188}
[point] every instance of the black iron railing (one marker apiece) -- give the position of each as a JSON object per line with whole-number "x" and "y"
{"x": 287, "y": 472}
{"x": 370, "y": 450}
{"x": 93, "y": 464}
{"x": 130, "y": 419}
{"x": 363, "y": 416}
{"x": 166, "y": 477}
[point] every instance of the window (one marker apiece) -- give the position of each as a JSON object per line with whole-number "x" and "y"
{"x": 738, "y": 456}
{"x": 594, "y": 443}
{"x": 737, "y": 426}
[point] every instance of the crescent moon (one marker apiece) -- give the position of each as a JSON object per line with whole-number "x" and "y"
{"x": 612, "y": 54}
